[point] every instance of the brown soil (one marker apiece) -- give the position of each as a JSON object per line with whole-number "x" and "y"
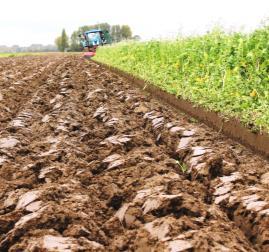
{"x": 232, "y": 127}
{"x": 90, "y": 163}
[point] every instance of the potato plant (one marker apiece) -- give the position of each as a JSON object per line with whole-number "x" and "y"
{"x": 227, "y": 73}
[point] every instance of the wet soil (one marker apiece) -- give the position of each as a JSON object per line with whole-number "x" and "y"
{"x": 90, "y": 163}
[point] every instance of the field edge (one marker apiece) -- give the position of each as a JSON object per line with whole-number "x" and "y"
{"x": 231, "y": 127}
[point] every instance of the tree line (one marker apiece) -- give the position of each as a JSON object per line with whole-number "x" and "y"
{"x": 117, "y": 33}
{"x": 31, "y": 48}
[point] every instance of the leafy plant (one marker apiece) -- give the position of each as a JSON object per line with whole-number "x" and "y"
{"x": 227, "y": 73}
{"x": 182, "y": 166}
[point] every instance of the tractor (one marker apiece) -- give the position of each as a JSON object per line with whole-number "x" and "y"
{"x": 90, "y": 40}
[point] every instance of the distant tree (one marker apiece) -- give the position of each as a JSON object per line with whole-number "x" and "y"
{"x": 15, "y": 48}
{"x": 31, "y": 48}
{"x": 136, "y": 37}
{"x": 116, "y": 33}
{"x": 84, "y": 28}
{"x": 65, "y": 43}
{"x": 126, "y": 32}
{"x": 75, "y": 42}
{"x": 58, "y": 43}
{"x": 103, "y": 26}
{"x": 62, "y": 41}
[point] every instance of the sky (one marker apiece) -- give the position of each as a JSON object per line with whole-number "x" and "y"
{"x": 24, "y": 22}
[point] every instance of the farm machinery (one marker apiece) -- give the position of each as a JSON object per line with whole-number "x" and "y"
{"x": 90, "y": 40}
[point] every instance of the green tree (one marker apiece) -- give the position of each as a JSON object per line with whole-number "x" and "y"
{"x": 126, "y": 32}
{"x": 116, "y": 33}
{"x": 75, "y": 42}
{"x": 58, "y": 43}
{"x": 103, "y": 26}
{"x": 65, "y": 43}
{"x": 62, "y": 41}
{"x": 136, "y": 37}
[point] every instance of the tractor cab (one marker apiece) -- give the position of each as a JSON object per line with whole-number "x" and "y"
{"x": 90, "y": 40}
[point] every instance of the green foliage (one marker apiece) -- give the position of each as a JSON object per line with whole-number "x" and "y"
{"x": 75, "y": 42}
{"x": 116, "y": 33}
{"x": 126, "y": 32}
{"x": 62, "y": 42}
{"x": 227, "y": 73}
{"x": 183, "y": 167}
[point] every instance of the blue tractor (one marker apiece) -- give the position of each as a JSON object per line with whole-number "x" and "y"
{"x": 90, "y": 40}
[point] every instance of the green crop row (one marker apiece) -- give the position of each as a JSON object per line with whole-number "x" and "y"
{"x": 227, "y": 73}
{"x": 2, "y": 55}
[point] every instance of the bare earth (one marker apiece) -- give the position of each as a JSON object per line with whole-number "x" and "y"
{"x": 90, "y": 163}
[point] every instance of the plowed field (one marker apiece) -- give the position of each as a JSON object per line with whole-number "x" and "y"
{"x": 88, "y": 162}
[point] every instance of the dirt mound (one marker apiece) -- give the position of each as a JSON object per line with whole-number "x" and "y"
{"x": 89, "y": 163}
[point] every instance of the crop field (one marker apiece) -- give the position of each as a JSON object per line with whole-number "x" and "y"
{"x": 2, "y": 55}
{"x": 226, "y": 73}
{"x": 22, "y": 54}
{"x": 89, "y": 162}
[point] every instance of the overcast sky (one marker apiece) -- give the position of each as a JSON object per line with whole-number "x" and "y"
{"x": 24, "y": 22}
